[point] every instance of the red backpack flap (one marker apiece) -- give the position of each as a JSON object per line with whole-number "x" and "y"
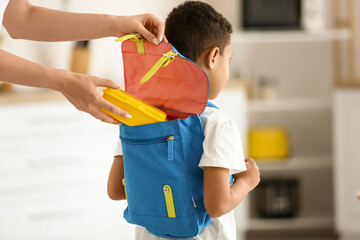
{"x": 180, "y": 89}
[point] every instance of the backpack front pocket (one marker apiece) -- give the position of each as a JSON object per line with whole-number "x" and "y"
{"x": 151, "y": 166}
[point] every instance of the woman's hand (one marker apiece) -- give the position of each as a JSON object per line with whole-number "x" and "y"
{"x": 148, "y": 25}
{"x": 81, "y": 92}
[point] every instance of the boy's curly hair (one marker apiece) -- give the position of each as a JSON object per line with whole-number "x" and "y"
{"x": 194, "y": 27}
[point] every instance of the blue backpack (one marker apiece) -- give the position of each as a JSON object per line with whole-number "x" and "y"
{"x": 163, "y": 183}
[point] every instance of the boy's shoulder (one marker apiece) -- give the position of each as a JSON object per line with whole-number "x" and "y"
{"x": 213, "y": 117}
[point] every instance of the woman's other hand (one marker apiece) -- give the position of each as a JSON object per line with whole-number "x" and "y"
{"x": 148, "y": 25}
{"x": 81, "y": 92}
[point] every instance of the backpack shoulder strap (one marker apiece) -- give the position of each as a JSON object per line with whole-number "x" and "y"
{"x": 210, "y": 104}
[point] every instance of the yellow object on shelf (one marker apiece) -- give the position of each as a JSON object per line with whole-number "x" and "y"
{"x": 268, "y": 143}
{"x": 142, "y": 112}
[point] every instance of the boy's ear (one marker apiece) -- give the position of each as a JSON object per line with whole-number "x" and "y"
{"x": 212, "y": 57}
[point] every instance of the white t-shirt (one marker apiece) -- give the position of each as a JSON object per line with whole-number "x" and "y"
{"x": 3, "y": 4}
{"x": 222, "y": 148}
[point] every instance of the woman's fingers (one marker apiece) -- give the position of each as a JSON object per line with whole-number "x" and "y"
{"x": 104, "y": 117}
{"x": 148, "y": 35}
{"x": 151, "y": 28}
{"x": 101, "y": 103}
{"x": 112, "y": 108}
{"x": 160, "y": 28}
{"x": 101, "y": 82}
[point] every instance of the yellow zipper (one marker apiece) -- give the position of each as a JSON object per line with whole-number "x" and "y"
{"x": 169, "y": 201}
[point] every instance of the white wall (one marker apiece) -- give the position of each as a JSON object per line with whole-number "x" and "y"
{"x": 357, "y": 16}
{"x": 295, "y": 65}
{"x": 300, "y": 69}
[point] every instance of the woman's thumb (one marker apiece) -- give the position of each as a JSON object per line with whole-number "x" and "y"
{"x": 149, "y": 36}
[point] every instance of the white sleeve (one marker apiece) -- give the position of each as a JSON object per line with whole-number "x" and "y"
{"x": 222, "y": 146}
{"x": 118, "y": 149}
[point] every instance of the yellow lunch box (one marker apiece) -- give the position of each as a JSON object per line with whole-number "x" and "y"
{"x": 268, "y": 143}
{"x": 142, "y": 112}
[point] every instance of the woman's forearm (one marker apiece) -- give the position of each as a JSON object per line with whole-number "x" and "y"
{"x": 16, "y": 70}
{"x": 79, "y": 89}
{"x": 25, "y": 21}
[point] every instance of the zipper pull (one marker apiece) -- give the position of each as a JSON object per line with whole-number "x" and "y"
{"x": 123, "y": 182}
{"x": 170, "y": 141}
{"x": 193, "y": 202}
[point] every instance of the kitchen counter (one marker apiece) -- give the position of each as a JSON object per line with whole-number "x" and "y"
{"x": 40, "y": 95}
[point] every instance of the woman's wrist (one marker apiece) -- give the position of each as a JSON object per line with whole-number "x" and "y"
{"x": 115, "y": 25}
{"x": 59, "y": 78}
{"x": 109, "y": 25}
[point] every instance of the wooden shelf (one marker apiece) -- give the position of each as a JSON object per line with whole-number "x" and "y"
{"x": 291, "y": 223}
{"x": 295, "y": 36}
{"x": 297, "y": 104}
{"x": 295, "y": 164}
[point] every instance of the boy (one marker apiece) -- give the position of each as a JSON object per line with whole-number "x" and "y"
{"x": 201, "y": 34}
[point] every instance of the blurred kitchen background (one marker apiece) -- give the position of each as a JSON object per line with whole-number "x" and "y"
{"x": 294, "y": 92}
